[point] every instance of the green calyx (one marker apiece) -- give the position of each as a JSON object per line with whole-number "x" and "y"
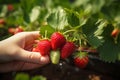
{"x": 80, "y": 54}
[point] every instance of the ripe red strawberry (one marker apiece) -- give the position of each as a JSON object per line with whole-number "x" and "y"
{"x": 57, "y": 40}
{"x": 67, "y": 49}
{"x": 44, "y": 47}
{"x": 18, "y": 29}
{"x": 35, "y": 49}
{"x": 11, "y": 30}
{"x": 115, "y": 32}
{"x": 81, "y": 62}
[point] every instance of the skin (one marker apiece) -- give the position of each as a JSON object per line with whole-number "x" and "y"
{"x": 16, "y": 55}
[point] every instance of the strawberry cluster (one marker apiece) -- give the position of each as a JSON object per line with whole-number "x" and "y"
{"x": 57, "y": 47}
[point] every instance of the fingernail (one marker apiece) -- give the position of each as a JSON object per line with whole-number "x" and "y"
{"x": 44, "y": 59}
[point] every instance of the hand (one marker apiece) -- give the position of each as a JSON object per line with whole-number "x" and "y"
{"x": 16, "y": 55}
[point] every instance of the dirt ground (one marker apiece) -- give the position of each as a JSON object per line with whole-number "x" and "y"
{"x": 96, "y": 70}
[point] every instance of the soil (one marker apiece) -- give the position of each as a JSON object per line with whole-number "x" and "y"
{"x": 95, "y": 70}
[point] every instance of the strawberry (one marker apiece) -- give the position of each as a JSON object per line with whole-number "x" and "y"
{"x": 44, "y": 47}
{"x": 35, "y": 49}
{"x": 2, "y": 21}
{"x": 67, "y": 49}
{"x": 55, "y": 56}
{"x": 18, "y": 29}
{"x": 10, "y": 7}
{"x": 15, "y": 30}
{"x": 81, "y": 60}
{"x": 11, "y": 30}
{"x": 57, "y": 40}
{"x": 115, "y": 32}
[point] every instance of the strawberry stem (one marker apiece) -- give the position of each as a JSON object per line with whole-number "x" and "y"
{"x": 80, "y": 42}
{"x": 45, "y": 34}
{"x": 72, "y": 30}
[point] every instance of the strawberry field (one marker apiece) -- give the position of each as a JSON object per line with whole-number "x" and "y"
{"x": 81, "y": 37}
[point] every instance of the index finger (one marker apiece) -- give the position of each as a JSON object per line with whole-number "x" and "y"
{"x": 35, "y": 34}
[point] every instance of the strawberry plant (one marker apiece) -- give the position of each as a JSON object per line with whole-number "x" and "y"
{"x": 84, "y": 22}
{"x": 70, "y": 27}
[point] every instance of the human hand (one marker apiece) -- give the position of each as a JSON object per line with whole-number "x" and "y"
{"x": 16, "y": 55}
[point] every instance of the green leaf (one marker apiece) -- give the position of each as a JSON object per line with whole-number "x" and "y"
{"x": 79, "y": 2}
{"x": 109, "y": 50}
{"x": 101, "y": 26}
{"x": 72, "y": 17}
{"x": 97, "y": 7}
{"x": 89, "y": 30}
{"x": 3, "y": 11}
{"x": 118, "y": 43}
{"x": 90, "y": 6}
{"x": 27, "y": 6}
{"x": 46, "y": 31}
{"x": 43, "y": 14}
{"x": 38, "y": 78}
{"x": 117, "y": 19}
{"x": 111, "y": 11}
{"x": 57, "y": 19}
{"x": 22, "y": 76}
{"x": 16, "y": 18}
{"x": 34, "y": 13}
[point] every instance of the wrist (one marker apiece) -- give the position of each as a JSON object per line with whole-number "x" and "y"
{"x": 1, "y": 48}
{"x": 3, "y": 54}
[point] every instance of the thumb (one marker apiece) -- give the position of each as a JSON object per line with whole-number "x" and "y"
{"x": 34, "y": 57}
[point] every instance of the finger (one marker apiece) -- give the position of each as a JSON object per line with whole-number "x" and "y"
{"x": 36, "y": 41}
{"x": 34, "y": 57}
{"x": 29, "y": 47}
{"x": 30, "y": 37}
{"x": 35, "y": 34}
{"x": 25, "y": 37}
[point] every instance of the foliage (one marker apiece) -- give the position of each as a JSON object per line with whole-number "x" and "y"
{"x": 86, "y": 22}
{"x": 25, "y": 76}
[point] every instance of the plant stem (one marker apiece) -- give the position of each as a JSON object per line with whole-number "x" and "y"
{"x": 72, "y": 30}
{"x": 45, "y": 34}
